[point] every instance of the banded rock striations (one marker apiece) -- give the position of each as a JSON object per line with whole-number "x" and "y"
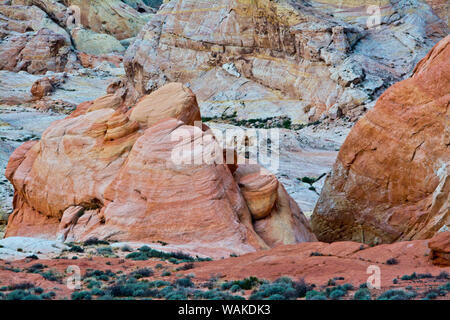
{"x": 110, "y": 172}
{"x": 391, "y": 179}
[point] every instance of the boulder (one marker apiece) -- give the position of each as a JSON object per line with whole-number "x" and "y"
{"x": 93, "y": 43}
{"x": 391, "y": 179}
{"x": 113, "y": 17}
{"x": 146, "y": 173}
{"x": 277, "y": 218}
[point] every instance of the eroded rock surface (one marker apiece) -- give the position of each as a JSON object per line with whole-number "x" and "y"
{"x": 264, "y": 58}
{"x": 126, "y": 177}
{"x": 391, "y": 178}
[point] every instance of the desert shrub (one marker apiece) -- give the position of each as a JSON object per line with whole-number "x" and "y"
{"x": 146, "y": 253}
{"x": 392, "y": 261}
{"x": 443, "y": 275}
{"x": 142, "y": 273}
{"x": 362, "y": 294}
{"x": 331, "y": 282}
{"x": 95, "y": 241}
{"x": 184, "y": 282}
{"x": 347, "y": 286}
{"x": 21, "y": 286}
{"x": 282, "y": 286}
{"x": 301, "y": 288}
{"x": 313, "y": 293}
{"x": 308, "y": 180}
{"x": 215, "y": 294}
{"x": 105, "y": 251}
{"x": 166, "y": 274}
{"x": 176, "y": 295}
{"x": 276, "y": 297}
{"x": 159, "y": 266}
{"x": 36, "y": 268}
{"x": 126, "y": 248}
{"x": 38, "y": 290}
{"x": 186, "y": 266}
{"x": 52, "y": 275}
{"x": 99, "y": 274}
{"x": 444, "y": 287}
{"x": 424, "y": 276}
{"x": 33, "y": 257}
{"x": 132, "y": 288}
{"x": 159, "y": 283}
{"x": 48, "y": 295}
{"x": 81, "y": 295}
{"x": 94, "y": 284}
{"x": 316, "y": 254}
{"x": 235, "y": 288}
{"x": 431, "y": 296}
{"x": 97, "y": 292}
{"x": 17, "y": 294}
{"x": 413, "y": 276}
{"x": 32, "y": 297}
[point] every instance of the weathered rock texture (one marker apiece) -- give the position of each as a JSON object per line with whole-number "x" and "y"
{"x": 263, "y": 58}
{"x": 440, "y": 249}
{"x": 113, "y": 17}
{"x": 37, "y": 36}
{"x": 120, "y": 174}
{"x": 391, "y": 179}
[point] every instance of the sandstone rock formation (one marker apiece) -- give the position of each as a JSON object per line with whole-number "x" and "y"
{"x": 130, "y": 174}
{"x": 440, "y": 249}
{"x": 268, "y": 58}
{"x": 391, "y": 180}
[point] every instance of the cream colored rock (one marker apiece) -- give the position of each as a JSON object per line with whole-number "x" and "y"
{"x": 292, "y": 53}
{"x": 94, "y": 43}
{"x": 140, "y": 175}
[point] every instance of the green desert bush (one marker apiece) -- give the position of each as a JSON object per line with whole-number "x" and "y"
{"x": 362, "y": 294}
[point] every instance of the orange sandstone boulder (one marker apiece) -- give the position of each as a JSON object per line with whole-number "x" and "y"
{"x": 440, "y": 249}
{"x": 147, "y": 174}
{"x": 391, "y": 180}
{"x": 277, "y": 217}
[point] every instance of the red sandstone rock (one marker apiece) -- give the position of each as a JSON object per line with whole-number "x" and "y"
{"x": 391, "y": 180}
{"x": 92, "y": 61}
{"x": 171, "y": 101}
{"x": 41, "y": 88}
{"x": 145, "y": 174}
{"x": 36, "y": 54}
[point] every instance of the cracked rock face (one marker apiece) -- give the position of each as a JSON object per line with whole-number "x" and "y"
{"x": 106, "y": 171}
{"x": 300, "y": 59}
{"x": 391, "y": 180}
